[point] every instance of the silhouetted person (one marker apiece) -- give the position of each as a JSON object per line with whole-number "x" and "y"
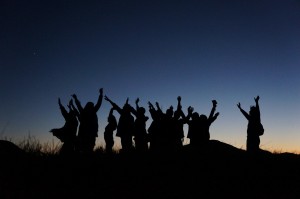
{"x": 255, "y": 128}
{"x": 199, "y": 134}
{"x": 154, "y": 128}
{"x": 193, "y": 123}
{"x": 125, "y": 126}
{"x": 139, "y": 131}
{"x": 67, "y": 134}
{"x": 177, "y": 126}
{"x": 166, "y": 128}
{"x": 88, "y": 128}
{"x": 109, "y": 130}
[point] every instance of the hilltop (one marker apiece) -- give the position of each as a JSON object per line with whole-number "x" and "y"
{"x": 220, "y": 170}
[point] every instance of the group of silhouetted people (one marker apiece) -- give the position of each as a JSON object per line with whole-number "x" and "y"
{"x": 86, "y": 117}
{"x": 165, "y": 133}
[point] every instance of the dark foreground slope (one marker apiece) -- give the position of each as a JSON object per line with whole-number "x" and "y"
{"x": 219, "y": 171}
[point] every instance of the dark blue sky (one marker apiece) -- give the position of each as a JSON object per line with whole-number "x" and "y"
{"x": 230, "y": 51}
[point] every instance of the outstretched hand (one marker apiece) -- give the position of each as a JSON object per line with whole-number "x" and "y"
{"x": 239, "y": 105}
{"x": 137, "y": 100}
{"x": 59, "y": 102}
{"x": 256, "y": 99}
{"x": 101, "y": 91}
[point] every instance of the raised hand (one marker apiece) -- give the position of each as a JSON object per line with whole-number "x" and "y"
{"x": 101, "y": 91}
{"x": 214, "y": 103}
{"x": 137, "y": 100}
{"x": 179, "y": 98}
{"x": 74, "y": 96}
{"x": 256, "y": 99}
{"x": 239, "y": 105}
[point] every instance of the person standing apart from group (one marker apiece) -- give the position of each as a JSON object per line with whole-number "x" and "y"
{"x": 255, "y": 128}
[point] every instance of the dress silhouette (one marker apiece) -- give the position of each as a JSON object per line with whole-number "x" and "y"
{"x": 67, "y": 133}
{"x": 88, "y": 128}
{"x": 254, "y": 128}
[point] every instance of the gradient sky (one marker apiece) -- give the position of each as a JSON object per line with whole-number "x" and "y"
{"x": 230, "y": 51}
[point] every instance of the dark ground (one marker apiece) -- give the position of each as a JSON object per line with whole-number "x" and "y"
{"x": 220, "y": 171}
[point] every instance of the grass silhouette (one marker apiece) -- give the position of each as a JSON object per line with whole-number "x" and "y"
{"x": 220, "y": 170}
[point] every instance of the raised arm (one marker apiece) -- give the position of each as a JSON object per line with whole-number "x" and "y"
{"x": 137, "y": 103}
{"x": 212, "y": 117}
{"x": 115, "y": 106}
{"x": 73, "y": 108}
{"x": 150, "y": 105}
{"x": 159, "y": 111}
{"x": 213, "y": 109}
{"x": 257, "y": 106}
{"x": 179, "y": 107}
{"x": 78, "y": 104}
{"x": 134, "y": 111}
{"x": 152, "y": 110}
{"x": 99, "y": 102}
{"x": 244, "y": 112}
{"x": 62, "y": 109}
{"x": 256, "y": 99}
{"x": 189, "y": 115}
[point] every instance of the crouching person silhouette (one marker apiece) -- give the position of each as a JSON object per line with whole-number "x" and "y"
{"x": 255, "y": 128}
{"x": 67, "y": 133}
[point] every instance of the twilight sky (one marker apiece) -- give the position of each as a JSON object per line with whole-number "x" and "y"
{"x": 229, "y": 50}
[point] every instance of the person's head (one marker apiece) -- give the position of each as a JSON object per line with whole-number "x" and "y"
{"x": 141, "y": 111}
{"x": 253, "y": 111}
{"x": 126, "y": 108}
{"x": 89, "y": 106}
{"x": 203, "y": 117}
{"x": 195, "y": 116}
{"x": 111, "y": 118}
{"x": 169, "y": 112}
